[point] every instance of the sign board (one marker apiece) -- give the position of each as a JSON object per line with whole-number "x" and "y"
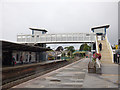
{"x": 116, "y": 46}
{"x": 101, "y": 30}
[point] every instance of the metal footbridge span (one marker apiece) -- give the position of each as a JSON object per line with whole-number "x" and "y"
{"x": 97, "y": 36}
{"x": 57, "y": 38}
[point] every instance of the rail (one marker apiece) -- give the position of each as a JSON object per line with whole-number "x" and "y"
{"x": 56, "y": 38}
{"x": 109, "y": 47}
{"x": 24, "y": 73}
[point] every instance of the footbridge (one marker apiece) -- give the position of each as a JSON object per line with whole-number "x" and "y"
{"x": 98, "y": 35}
{"x": 57, "y": 38}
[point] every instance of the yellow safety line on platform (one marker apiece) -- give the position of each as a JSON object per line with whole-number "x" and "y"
{"x": 110, "y": 74}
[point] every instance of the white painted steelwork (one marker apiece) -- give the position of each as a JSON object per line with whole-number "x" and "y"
{"x": 57, "y": 38}
{"x": 110, "y": 48}
{"x": 97, "y": 50}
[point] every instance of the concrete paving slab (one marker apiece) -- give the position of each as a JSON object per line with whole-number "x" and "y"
{"x": 107, "y": 79}
{"x": 70, "y": 76}
{"x": 76, "y": 75}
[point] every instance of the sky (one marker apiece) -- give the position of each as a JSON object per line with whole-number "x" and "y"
{"x": 58, "y": 16}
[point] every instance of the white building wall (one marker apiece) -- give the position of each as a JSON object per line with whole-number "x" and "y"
{"x": 25, "y": 56}
{"x": 37, "y": 32}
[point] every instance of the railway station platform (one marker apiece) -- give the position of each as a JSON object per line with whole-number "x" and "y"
{"x": 21, "y": 73}
{"x": 76, "y": 75}
{"x": 31, "y": 64}
{"x": 110, "y": 78}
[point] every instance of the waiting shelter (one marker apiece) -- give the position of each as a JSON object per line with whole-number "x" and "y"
{"x": 10, "y": 49}
{"x": 100, "y": 31}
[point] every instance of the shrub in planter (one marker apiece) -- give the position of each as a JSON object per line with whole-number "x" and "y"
{"x": 92, "y": 65}
{"x": 95, "y": 56}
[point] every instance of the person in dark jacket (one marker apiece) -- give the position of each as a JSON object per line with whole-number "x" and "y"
{"x": 13, "y": 60}
{"x": 21, "y": 59}
{"x": 30, "y": 58}
{"x": 100, "y": 46}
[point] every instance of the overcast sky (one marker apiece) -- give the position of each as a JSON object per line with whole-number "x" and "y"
{"x": 58, "y": 16}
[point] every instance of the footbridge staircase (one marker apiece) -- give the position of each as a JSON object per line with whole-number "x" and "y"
{"x": 40, "y": 36}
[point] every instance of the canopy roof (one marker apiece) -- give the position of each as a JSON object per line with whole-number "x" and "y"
{"x": 21, "y": 47}
{"x": 104, "y": 26}
{"x": 38, "y": 29}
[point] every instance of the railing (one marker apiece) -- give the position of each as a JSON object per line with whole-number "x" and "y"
{"x": 109, "y": 47}
{"x": 54, "y": 38}
{"x": 97, "y": 50}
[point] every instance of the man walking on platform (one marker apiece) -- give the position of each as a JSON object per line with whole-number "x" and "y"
{"x": 100, "y": 46}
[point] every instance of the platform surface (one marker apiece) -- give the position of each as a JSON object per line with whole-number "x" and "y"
{"x": 76, "y": 75}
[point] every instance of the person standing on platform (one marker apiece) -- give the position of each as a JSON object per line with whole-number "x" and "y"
{"x": 26, "y": 58}
{"x": 30, "y": 58}
{"x": 100, "y": 46}
{"x": 118, "y": 58}
{"x": 21, "y": 59}
{"x": 13, "y": 60}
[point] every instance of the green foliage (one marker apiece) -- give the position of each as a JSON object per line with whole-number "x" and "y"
{"x": 49, "y": 47}
{"x": 82, "y": 54}
{"x": 63, "y": 55}
{"x": 60, "y": 48}
{"x": 85, "y": 47}
{"x": 69, "y": 53}
{"x": 70, "y": 48}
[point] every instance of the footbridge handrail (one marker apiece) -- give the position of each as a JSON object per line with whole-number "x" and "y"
{"x": 97, "y": 50}
{"x": 109, "y": 46}
{"x": 57, "y": 38}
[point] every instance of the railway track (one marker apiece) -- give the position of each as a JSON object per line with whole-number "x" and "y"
{"x": 15, "y": 76}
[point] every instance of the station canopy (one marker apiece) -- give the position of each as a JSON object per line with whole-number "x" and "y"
{"x": 98, "y": 27}
{"x": 38, "y": 29}
{"x": 100, "y": 30}
{"x": 21, "y": 47}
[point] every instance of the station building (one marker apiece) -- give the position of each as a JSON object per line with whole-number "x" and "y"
{"x": 29, "y": 53}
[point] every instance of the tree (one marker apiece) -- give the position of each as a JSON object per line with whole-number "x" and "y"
{"x": 60, "y": 48}
{"x": 63, "y": 54}
{"x": 85, "y": 47}
{"x": 49, "y": 47}
{"x": 69, "y": 53}
{"x": 81, "y": 47}
{"x": 70, "y": 48}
